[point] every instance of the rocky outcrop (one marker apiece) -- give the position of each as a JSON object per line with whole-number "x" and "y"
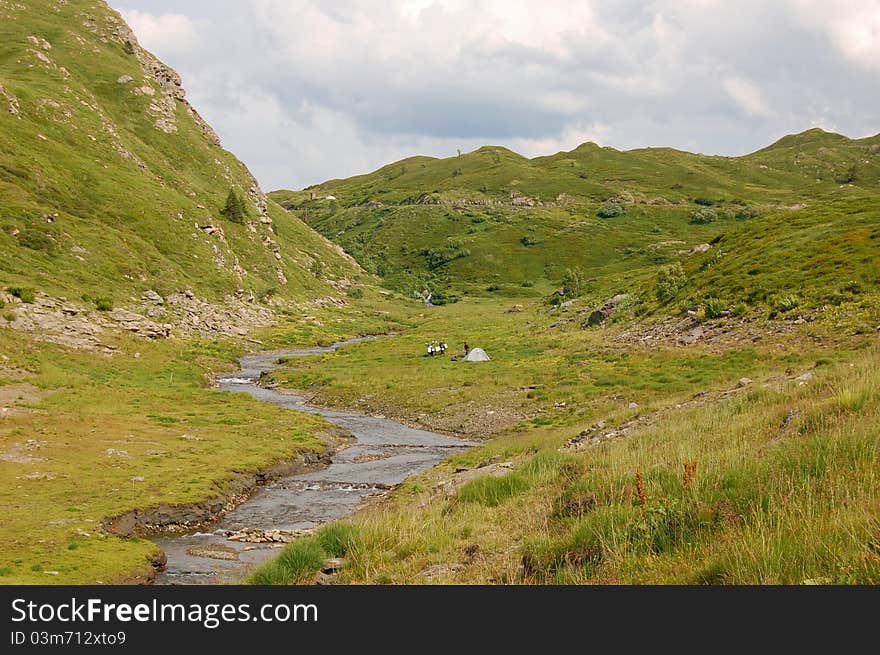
{"x": 171, "y": 91}
{"x": 603, "y": 313}
{"x": 12, "y": 103}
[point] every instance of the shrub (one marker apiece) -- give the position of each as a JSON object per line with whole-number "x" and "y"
{"x": 713, "y": 308}
{"x": 437, "y": 257}
{"x": 528, "y": 241}
{"x": 317, "y": 268}
{"x": 705, "y": 202}
{"x": 611, "y": 209}
{"x": 234, "y": 210}
{"x": 670, "y": 280}
{"x": 2, "y": 303}
{"x": 704, "y": 216}
{"x": 9, "y": 316}
{"x": 527, "y": 284}
{"x": 36, "y": 240}
{"x": 104, "y": 304}
{"x": 573, "y": 282}
{"x": 25, "y": 294}
{"x": 355, "y": 293}
{"x": 787, "y": 303}
{"x": 747, "y": 212}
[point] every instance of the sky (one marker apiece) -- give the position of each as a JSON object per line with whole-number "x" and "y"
{"x": 304, "y": 91}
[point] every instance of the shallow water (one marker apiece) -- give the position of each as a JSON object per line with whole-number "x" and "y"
{"x": 309, "y": 499}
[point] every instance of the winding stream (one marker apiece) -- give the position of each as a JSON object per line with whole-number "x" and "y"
{"x": 309, "y": 499}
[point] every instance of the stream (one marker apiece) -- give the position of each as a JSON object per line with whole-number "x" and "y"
{"x": 308, "y": 499}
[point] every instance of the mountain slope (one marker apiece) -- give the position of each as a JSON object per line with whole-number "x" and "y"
{"x": 492, "y": 219}
{"x": 110, "y": 181}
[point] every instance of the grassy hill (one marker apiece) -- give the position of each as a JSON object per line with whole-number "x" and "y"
{"x": 492, "y": 221}
{"x": 110, "y": 181}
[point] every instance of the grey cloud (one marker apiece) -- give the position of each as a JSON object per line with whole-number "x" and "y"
{"x": 305, "y": 90}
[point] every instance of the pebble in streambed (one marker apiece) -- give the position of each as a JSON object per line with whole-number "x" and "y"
{"x": 384, "y": 454}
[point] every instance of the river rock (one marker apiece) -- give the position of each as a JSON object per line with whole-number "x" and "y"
{"x": 213, "y": 551}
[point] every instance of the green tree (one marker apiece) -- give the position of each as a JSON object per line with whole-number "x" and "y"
{"x": 670, "y": 280}
{"x": 574, "y": 282}
{"x": 235, "y": 209}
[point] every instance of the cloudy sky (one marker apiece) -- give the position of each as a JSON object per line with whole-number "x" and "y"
{"x": 304, "y": 90}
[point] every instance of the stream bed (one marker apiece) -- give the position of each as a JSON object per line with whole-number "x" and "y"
{"x": 383, "y": 455}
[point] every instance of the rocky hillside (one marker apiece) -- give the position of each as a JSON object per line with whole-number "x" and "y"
{"x": 494, "y": 222}
{"x": 112, "y": 185}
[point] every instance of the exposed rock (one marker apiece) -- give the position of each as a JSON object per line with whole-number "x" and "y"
{"x": 12, "y": 103}
{"x": 333, "y": 565}
{"x": 633, "y": 406}
{"x": 691, "y": 336}
{"x": 515, "y": 309}
{"x": 806, "y": 377}
{"x": 440, "y": 570}
{"x": 703, "y": 247}
{"x": 140, "y": 325}
{"x": 257, "y": 536}
{"x": 744, "y": 382}
{"x": 213, "y": 551}
{"x": 152, "y": 297}
{"x": 603, "y": 313}
{"x": 449, "y": 486}
{"x": 125, "y": 79}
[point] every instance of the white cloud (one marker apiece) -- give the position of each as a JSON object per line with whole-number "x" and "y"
{"x": 748, "y": 96}
{"x": 304, "y": 90}
{"x": 853, "y": 26}
{"x": 171, "y": 34}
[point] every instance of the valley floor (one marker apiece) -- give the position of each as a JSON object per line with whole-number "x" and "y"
{"x": 613, "y": 463}
{"x": 729, "y": 460}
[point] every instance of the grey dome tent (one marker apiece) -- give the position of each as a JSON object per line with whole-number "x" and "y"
{"x": 477, "y": 355}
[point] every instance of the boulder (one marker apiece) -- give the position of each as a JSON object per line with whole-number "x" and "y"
{"x": 601, "y": 314}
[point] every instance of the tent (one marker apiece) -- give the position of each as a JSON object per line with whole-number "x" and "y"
{"x": 477, "y": 355}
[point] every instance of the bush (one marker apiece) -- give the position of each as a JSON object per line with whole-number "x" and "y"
{"x": 9, "y": 316}
{"x": 25, "y": 294}
{"x": 104, "y": 304}
{"x": 36, "y": 240}
{"x": 355, "y": 293}
{"x": 787, "y": 303}
{"x": 528, "y": 241}
{"x": 527, "y": 284}
{"x": 437, "y": 257}
{"x": 704, "y": 216}
{"x": 573, "y": 282}
{"x": 747, "y": 212}
{"x": 705, "y": 202}
{"x": 611, "y": 209}
{"x": 713, "y": 308}
{"x": 235, "y": 209}
{"x": 670, "y": 280}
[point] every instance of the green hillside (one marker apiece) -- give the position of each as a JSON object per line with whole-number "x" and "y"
{"x": 111, "y": 183}
{"x": 492, "y": 221}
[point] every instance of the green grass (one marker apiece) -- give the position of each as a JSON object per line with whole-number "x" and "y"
{"x": 768, "y": 501}
{"x": 784, "y": 201}
{"x": 302, "y": 559}
{"x": 113, "y": 434}
{"x": 95, "y": 199}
